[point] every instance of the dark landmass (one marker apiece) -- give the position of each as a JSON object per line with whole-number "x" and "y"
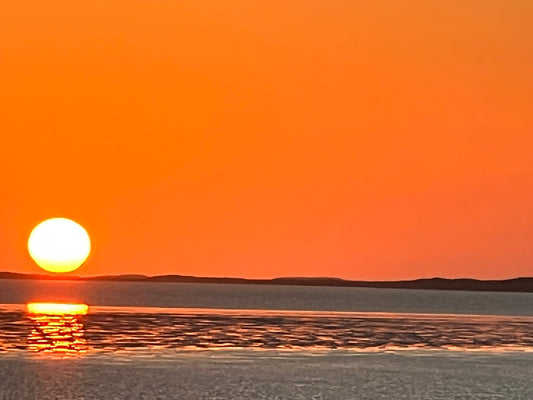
{"x": 508, "y": 285}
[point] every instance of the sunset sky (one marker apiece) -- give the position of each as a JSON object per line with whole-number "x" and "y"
{"x": 357, "y": 139}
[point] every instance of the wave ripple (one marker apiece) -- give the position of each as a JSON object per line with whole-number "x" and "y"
{"x": 113, "y": 329}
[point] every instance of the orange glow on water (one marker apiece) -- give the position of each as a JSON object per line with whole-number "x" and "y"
{"x": 58, "y": 308}
{"x": 57, "y": 328}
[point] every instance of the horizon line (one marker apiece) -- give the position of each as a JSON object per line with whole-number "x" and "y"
{"x": 68, "y": 276}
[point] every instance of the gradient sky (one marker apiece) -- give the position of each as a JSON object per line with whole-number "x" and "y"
{"x": 358, "y": 139}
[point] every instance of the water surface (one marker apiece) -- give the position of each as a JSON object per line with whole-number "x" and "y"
{"x": 120, "y": 329}
{"x": 213, "y": 341}
{"x": 267, "y": 297}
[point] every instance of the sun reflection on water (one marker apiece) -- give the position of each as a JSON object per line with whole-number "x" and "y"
{"x": 57, "y": 328}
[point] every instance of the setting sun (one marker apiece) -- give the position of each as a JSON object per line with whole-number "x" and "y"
{"x": 59, "y": 245}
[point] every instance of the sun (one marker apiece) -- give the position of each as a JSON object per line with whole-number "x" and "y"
{"x": 59, "y": 245}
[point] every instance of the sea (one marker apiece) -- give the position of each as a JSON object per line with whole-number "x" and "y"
{"x": 143, "y": 340}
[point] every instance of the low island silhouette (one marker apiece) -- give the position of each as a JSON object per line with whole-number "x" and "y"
{"x": 522, "y": 284}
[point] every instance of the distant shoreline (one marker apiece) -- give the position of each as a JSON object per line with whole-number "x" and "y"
{"x": 523, "y": 285}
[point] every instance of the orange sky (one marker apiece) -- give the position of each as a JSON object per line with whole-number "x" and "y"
{"x": 358, "y": 139}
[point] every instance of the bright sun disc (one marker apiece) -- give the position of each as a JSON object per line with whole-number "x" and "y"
{"x": 59, "y": 245}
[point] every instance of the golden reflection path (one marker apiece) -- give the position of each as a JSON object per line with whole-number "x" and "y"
{"x": 57, "y": 328}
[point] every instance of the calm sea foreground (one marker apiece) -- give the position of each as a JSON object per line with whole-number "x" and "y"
{"x": 195, "y": 341}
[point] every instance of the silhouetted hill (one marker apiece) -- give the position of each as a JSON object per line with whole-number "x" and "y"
{"x": 15, "y": 275}
{"x": 508, "y": 285}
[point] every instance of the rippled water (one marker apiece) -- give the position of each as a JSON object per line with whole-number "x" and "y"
{"x": 263, "y": 342}
{"x": 114, "y": 329}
